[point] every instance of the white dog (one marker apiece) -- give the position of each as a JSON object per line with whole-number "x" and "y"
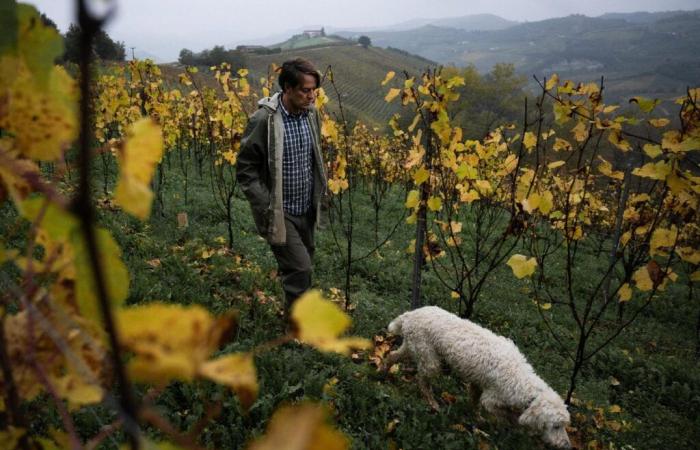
{"x": 499, "y": 375}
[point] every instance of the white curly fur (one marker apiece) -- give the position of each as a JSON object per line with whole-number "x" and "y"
{"x": 492, "y": 365}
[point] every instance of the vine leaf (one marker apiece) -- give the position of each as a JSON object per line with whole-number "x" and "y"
{"x": 301, "y": 427}
{"x": 137, "y": 162}
{"x": 320, "y": 323}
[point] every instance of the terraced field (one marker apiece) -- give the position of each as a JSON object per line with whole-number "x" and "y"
{"x": 358, "y": 74}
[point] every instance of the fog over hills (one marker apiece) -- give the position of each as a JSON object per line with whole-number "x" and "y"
{"x": 654, "y": 53}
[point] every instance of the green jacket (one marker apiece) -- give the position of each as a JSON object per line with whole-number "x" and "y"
{"x": 259, "y": 168}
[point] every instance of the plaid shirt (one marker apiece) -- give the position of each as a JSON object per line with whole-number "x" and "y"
{"x": 297, "y": 163}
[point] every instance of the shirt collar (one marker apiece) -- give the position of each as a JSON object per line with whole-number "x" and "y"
{"x": 304, "y": 113}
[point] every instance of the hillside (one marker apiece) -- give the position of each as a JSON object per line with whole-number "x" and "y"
{"x": 650, "y": 54}
{"x": 358, "y": 74}
{"x": 302, "y": 41}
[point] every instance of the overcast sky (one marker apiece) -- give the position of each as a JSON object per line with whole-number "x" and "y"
{"x": 161, "y": 28}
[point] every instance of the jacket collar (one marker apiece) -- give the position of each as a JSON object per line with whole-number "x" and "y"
{"x": 273, "y": 103}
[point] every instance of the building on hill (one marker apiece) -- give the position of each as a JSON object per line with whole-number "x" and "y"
{"x": 314, "y": 33}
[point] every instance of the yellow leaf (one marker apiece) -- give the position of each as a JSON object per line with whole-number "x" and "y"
{"x": 454, "y": 295}
{"x": 137, "y": 163}
{"x": 616, "y": 139}
{"x": 43, "y": 122}
{"x": 483, "y": 186}
{"x": 561, "y": 144}
{"x": 642, "y": 279}
{"x": 552, "y": 82}
{"x": 9, "y": 438}
{"x": 545, "y": 306}
{"x": 147, "y": 444}
{"x": 320, "y": 323}
{"x": 413, "y": 124}
{"x": 671, "y": 141}
{"x": 695, "y": 276}
{"x": 413, "y": 199}
{"x": 455, "y": 82}
{"x": 421, "y": 175}
{"x": 236, "y": 371}
{"x": 655, "y": 171}
{"x": 468, "y": 196}
{"x": 662, "y": 237}
{"x": 562, "y": 113}
{"x": 606, "y": 169}
{"x": 435, "y": 203}
{"x": 77, "y": 391}
{"x": 689, "y": 144}
{"x": 625, "y": 292}
{"x": 659, "y": 123}
{"x": 302, "y": 427}
{"x": 442, "y": 127}
{"x": 532, "y": 202}
{"x": 393, "y": 92}
{"x": 555, "y": 164}
{"x": 242, "y": 73}
{"x": 389, "y": 76}
{"x": 546, "y": 202}
{"x": 624, "y": 239}
{"x": 337, "y": 185}
{"x": 522, "y": 266}
{"x": 580, "y": 131}
{"x": 530, "y": 140}
{"x": 652, "y": 150}
{"x": 689, "y": 254}
{"x": 329, "y": 129}
{"x": 169, "y": 341}
{"x": 615, "y": 409}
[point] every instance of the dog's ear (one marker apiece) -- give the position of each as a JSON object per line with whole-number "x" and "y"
{"x": 530, "y": 417}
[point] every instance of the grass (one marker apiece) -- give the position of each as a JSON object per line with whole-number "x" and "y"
{"x": 650, "y": 371}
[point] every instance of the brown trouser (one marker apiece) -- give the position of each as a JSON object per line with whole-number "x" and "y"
{"x": 294, "y": 258}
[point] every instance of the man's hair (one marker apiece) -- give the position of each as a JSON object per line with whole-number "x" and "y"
{"x": 291, "y": 72}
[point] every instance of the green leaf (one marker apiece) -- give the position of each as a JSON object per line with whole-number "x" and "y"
{"x": 39, "y": 44}
{"x": 114, "y": 271}
{"x": 8, "y": 25}
{"x": 645, "y": 104}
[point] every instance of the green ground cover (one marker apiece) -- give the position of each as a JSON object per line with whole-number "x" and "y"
{"x": 650, "y": 371}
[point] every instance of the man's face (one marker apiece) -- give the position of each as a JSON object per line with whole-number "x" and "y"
{"x": 301, "y": 97}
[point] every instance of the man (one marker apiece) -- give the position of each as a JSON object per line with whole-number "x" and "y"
{"x": 280, "y": 170}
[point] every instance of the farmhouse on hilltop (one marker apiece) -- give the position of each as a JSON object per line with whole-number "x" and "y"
{"x": 314, "y": 33}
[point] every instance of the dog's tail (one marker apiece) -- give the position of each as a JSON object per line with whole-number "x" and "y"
{"x": 396, "y": 325}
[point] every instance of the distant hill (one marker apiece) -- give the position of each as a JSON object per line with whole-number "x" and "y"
{"x": 642, "y": 16}
{"x": 641, "y": 53}
{"x": 469, "y": 23}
